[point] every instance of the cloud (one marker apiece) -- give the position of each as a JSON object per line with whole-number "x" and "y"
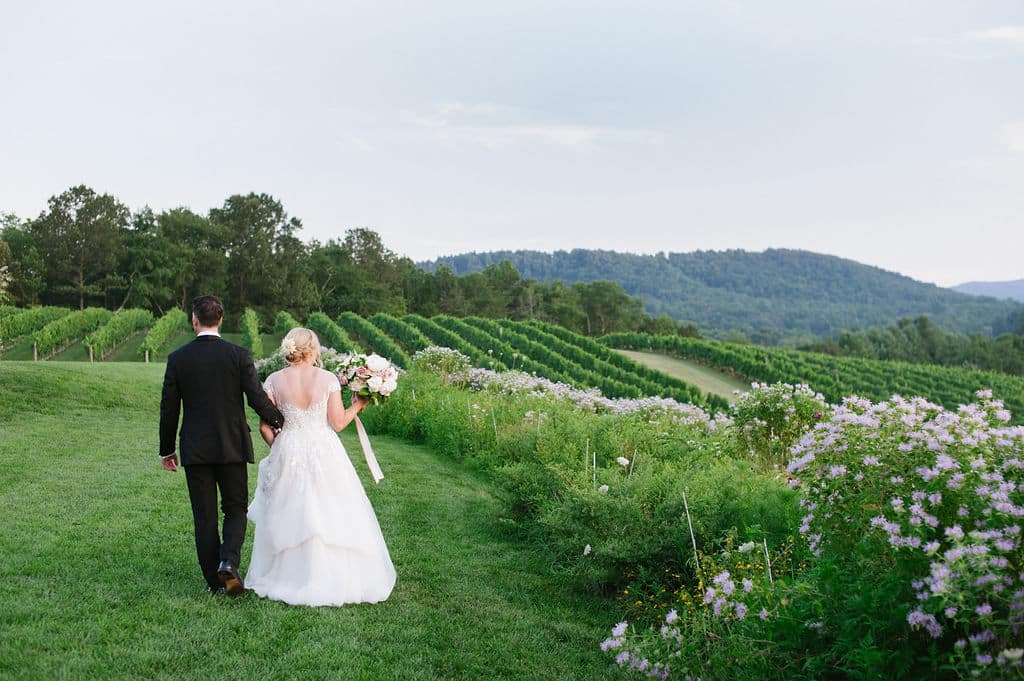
{"x": 361, "y": 144}
{"x": 497, "y": 126}
{"x": 497, "y": 136}
{"x": 977, "y": 45}
{"x": 1001, "y": 35}
{"x": 452, "y": 112}
{"x": 1012, "y": 135}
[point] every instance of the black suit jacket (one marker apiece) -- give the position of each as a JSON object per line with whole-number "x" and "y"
{"x": 209, "y": 376}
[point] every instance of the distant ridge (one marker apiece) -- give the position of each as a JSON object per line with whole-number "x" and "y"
{"x": 1011, "y": 290}
{"x": 778, "y": 295}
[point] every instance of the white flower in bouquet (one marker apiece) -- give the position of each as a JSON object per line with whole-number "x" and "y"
{"x": 376, "y": 363}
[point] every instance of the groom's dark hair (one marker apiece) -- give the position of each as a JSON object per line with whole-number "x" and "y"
{"x": 208, "y": 310}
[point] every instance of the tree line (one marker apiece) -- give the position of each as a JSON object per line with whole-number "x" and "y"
{"x": 89, "y": 249}
{"x": 920, "y": 341}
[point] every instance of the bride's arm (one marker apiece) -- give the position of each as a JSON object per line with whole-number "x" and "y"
{"x": 265, "y": 430}
{"x": 338, "y": 416}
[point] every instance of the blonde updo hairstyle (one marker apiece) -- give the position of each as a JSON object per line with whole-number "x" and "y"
{"x": 299, "y": 345}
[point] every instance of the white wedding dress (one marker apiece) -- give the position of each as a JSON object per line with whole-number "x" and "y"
{"x": 317, "y": 539}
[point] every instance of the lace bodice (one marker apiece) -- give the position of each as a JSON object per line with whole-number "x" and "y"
{"x": 287, "y": 392}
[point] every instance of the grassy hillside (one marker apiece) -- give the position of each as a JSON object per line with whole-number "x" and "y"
{"x": 707, "y": 379}
{"x": 770, "y": 296}
{"x": 98, "y": 577}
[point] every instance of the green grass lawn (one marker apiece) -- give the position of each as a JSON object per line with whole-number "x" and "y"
{"x": 707, "y": 379}
{"x": 98, "y": 576}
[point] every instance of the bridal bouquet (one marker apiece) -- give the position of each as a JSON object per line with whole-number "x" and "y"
{"x": 370, "y": 376}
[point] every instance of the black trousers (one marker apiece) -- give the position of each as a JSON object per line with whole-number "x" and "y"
{"x": 232, "y": 479}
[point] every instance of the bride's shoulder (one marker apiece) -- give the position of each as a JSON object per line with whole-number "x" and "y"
{"x": 331, "y": 379}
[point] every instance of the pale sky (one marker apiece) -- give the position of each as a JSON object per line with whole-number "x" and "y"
{"x": 887, "y": 132}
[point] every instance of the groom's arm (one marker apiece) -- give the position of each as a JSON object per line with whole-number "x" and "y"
{"x": 170, "y": 409}
{"x": 258, "y": 400}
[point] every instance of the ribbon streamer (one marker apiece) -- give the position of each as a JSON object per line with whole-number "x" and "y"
{"x": 371, "y": 460}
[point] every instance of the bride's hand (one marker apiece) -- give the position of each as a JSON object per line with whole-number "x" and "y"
{"x": 360, "y": 402}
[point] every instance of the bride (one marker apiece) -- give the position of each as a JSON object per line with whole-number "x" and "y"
{"x": 317, "y": 539}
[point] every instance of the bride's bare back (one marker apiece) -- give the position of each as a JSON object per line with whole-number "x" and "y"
{"x": 302, "y": 386}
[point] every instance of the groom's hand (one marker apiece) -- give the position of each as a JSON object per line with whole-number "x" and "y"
{"x": 170, "y": 463}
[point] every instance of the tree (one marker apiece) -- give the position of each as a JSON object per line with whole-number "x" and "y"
{"x": 449, "y": 296}
{"x": 254, "y": 224}
{"x": 78, "y": 237}
{"x": 608, "y": 308}
{"x": 331, "y": 273}
{"x": 147, "y": 265}
{"x": 288, "y": 285}
{"x": 377, "y": 283}
{"x": 560, "y": 304}
{"x": 197, "y": 249}
{"x": 663, "y": 325}
{"x": 481, "y": 298}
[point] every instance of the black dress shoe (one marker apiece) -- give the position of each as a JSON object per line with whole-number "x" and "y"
{"x": 229, "y": 577}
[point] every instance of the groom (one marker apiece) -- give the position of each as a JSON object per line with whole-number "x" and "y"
{"x": 209, "y": 376}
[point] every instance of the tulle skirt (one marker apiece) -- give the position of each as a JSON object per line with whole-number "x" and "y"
{"x": 317, "y": 539}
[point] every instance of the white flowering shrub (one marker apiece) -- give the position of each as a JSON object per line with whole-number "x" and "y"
{"x": 449, "y": 364}
{"x": 771, "y": 418}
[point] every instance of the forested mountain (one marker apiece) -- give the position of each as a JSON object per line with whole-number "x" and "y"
{"x": 773, "y": 296}
{"x": 1013, "y": 290}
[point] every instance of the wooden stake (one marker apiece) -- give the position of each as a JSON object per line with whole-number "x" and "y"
{"x": 768, "y": 560}
{"x": 147, "y": 356}
{"x": 595, "y": 470}
{"x": 90, "y": 355}
{"x": 692, "y": 538}
{"x": 35, "y": 352}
